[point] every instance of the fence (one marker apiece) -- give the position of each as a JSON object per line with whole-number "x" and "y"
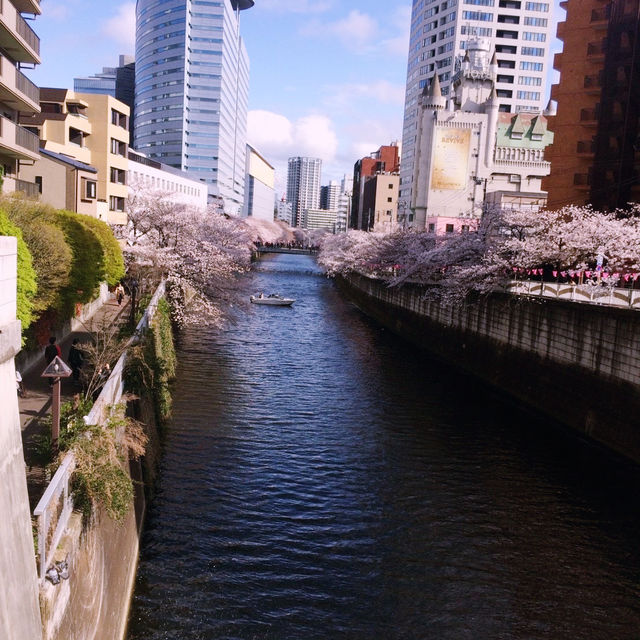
{"x": 56, "y": 505}
{"x": 53, "y": 513}
{"x": 590, "y": 294}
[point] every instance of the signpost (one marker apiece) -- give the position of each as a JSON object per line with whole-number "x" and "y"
{"x": 56, "y": 369}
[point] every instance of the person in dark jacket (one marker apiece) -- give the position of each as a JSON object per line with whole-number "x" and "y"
{"x": 76, "y": 359}
{"x": 50, "y": 352}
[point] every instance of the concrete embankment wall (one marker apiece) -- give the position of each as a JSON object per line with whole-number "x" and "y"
{"x": 577, "y": 363}
{"x": 19, "y": 611}
{"x": 93, "y": 604}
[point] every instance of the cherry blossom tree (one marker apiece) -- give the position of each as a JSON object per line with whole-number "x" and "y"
{"x": 200, "y": 253}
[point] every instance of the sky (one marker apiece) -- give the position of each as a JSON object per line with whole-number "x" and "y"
{"x": 326, "y": 76}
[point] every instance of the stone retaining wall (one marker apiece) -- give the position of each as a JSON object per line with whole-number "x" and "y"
{"x": 577, "y": 363}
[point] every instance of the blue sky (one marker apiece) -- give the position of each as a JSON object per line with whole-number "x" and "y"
{"x": 327, "y": 76}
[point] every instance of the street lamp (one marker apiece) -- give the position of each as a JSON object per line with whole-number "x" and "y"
{"x": 56, "y": 369}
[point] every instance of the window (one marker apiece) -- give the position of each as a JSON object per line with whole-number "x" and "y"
{"x": 511, "y": 35}
{"x": 481, "y": 32}
{"x": 531, "y": 66}
{"x": 477, "y": 15}
{"x": 38, "y": 181}
{"x": 535, "y": 22}
{"x": 509, "y": 19}
{"x": 532, "y": 51}
{"x": 506, "y": 64}
{"x": 486, "y": 3}
{"x": 76, "y": 136}
{"x": 449, "y": 228}
{"x": 118, "y": 176}
{"x": 89, "y": 189}
{"x": 536, "y": 6}
{"x": 465, "y": 228}
{"x": 504, "y": 93}
{"x": 119, "y": 119}
{"x": 534, "y": 36}
{"x": 391, "y": 185}
{"x": 530, "y": 80}
{"x": 528, "y": 95}
{"x": 389, "y": 199}
{"x": 506, "y": 48}
{"x": 116, "y": 203}
{"x": 432, "y": 227}
{"x": 118, "y": 148}
{"x": 509, "y": 4}
{"x": 507, "y": 79}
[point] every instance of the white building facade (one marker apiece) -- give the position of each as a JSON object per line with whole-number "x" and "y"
{"x": 192, "y": 87}
{"x": 303, "y": 185}
{"x": 259, "y": 196}
{"x": 470, "y": 155}
{"x": 519, "y": 31}
{"x": 148, "y": 175}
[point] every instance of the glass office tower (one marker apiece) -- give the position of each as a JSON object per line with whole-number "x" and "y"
{"x": 192, "y": 86}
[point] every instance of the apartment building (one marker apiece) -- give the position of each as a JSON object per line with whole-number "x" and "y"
{"x": 596, "y": 155}
{"x": 519, "y": 31}
{"x": 303, "y": 186}
{"x": 19, "y": 48}
{"x": 93, "y": 129}
{"x": 386, "y": 160}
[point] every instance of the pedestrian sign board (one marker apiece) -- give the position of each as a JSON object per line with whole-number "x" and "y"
{"x": 57, "y": 369}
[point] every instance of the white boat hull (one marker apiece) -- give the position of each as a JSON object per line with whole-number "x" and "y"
{"x": 274, "y": 302}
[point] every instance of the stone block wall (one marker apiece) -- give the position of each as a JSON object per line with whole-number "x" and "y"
{"x": 577, "y": 363}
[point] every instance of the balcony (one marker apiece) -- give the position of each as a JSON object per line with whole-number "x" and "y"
{"x": 582, "y": 181}
{"x": 28, "y": 6}
{"x": 30, "y": 189}
{"x": 593, "y": 83}
{"x": 17, "y": 142}
{"x": 589, "y": 117}
{"x": 586, "y": 148}
{"x": 17, "y": 39}
{"x": 600, "y": 17}
{"x": 16, "y": 90}
{"x": 596, "y": 50}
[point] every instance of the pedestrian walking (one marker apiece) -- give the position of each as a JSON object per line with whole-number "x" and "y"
{"x": 119, "y": 293}
{"x": 76, "y": 359}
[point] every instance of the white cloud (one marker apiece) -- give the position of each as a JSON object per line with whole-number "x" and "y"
{"x": 356, "y": 31}
{"x": 277, "y": 139}
{"x": 122, "y": 26}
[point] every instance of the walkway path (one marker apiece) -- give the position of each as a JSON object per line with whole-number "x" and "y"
{"x": 37, "y": 401}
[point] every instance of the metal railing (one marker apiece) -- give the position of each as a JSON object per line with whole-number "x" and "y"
{"x": 30, "y": 189}
{"x": 585, "y": 293}
{"x": 53, "y": 512}
{"x": 56, "y": 505}
{"x": 27, "y": 140}
{"x": 24, "y": 85}
{"x": 27, "y": 34}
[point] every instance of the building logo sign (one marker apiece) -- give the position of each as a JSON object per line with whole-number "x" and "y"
{"x": 450, "y": 159}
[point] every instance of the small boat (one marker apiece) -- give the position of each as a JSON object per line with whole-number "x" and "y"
{"x": 273, "y": 299}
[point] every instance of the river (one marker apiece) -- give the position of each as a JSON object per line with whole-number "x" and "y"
{"x": 322, "y": 479}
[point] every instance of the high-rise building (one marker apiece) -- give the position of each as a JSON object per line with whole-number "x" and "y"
{"x": 596, "y": 152}
{"x": 386, "y": 160}
{"x": 329, "y": 195}
{"x": 519, "y": 31}
{"x": 20, "y": 47}
{"x": 303, "y": 185}
{"x": 119, "y": 82}
{"x": 192, "y": 86}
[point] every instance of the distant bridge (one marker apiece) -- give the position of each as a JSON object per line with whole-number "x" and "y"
{"x": 296, "y": 251}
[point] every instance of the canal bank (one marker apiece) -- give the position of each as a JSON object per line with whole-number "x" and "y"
{"x": 322, "y": 478}
{"x": 577, "y": 363}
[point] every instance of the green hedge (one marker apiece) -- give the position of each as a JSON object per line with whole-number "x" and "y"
{"x": 26, "y": 286}
{"x": 113, "y": 260}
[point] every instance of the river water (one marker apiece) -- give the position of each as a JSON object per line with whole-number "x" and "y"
{"x": 324, "y": 480}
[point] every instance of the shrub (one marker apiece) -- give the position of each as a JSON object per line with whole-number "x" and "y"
{"x": 113, "y": 260}
{"x": 27, "y": 285}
